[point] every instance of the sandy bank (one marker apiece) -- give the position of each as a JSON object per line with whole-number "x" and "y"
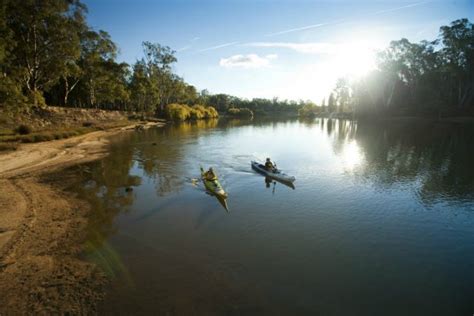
{"x": 42, "y": 229}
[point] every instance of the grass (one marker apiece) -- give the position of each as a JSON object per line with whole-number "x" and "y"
{"x": 8, "y": 146}
{"x": 8, "y": 138}
{"x": 45, "y": 135}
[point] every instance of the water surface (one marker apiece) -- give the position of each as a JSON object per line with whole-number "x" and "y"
{"x": 380, "y": 220}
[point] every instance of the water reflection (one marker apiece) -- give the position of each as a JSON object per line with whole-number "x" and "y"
{"x": 269, "y": 181}
{"x": 331, "y": 159}
{"x": 438, "y": 156}
{"x": 438, "y": 161}
{"x": 435, "y": 155}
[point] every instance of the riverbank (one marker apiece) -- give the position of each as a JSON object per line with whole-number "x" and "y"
{"x": 42, "y": 227}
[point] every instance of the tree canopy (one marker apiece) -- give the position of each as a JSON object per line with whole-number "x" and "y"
{"x": 49, "y": 55}
{"x": 430, "y": 78}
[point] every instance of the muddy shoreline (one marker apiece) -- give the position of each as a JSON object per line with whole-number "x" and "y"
{"x": 43, "y": 227}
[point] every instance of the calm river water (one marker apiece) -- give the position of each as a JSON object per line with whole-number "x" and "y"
{"x": 381, "y": 220}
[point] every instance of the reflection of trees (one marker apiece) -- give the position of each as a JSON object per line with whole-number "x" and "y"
{"x": 159, "y": 152}
{"x": 103, "y": 185}
{"x": 437, "y": 155}
{"x": 105, "y": 190}
{"x": 341, "y": 130}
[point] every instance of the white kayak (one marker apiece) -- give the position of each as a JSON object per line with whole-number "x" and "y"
{"x": 276, "y": 174}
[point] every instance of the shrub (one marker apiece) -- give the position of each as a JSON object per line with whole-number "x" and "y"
{"x": 196, "y": 114}
{"x": 309, "y": 110}
{"x": 87, "y": 124}
{"x": 212, "y": 112}
{"x": 23, "y": 129}
{"x": 182, "y": 112}
{"x": 243, "y": 112}
{"x": 178, "y": 112}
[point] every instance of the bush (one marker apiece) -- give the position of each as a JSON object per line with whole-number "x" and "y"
{"x": 309, "y": 110}
{"x": 212, "y": 112}
{"x": 23, "y": 129}
{"x": 182, "y": 112}
{"x": 196, "y": 114}
{"x": 243, "y": 112}
{"x": 87, "y": 124}
{"x": 178, "y": 112}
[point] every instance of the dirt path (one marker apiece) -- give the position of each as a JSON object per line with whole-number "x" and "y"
{"x": 42, "y": 229}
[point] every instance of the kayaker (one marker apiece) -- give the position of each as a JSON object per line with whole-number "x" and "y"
{"x": 269, "y": 165}
{"x": 210, "y": 175}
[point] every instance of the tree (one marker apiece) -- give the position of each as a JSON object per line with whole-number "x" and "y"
{"x": 46, "y": 40}
{"x": 10, "y": 89}
{"x": 98, "y": 53}
{"x": 331, "y": 103}
{"x": 342, "y": 92}
{"x": 159, "y": 60}
{"x": 323, "y": 105}
{"x": 458, "y": 57}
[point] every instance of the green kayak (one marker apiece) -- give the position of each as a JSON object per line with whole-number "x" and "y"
{"x": 213, "y": 185}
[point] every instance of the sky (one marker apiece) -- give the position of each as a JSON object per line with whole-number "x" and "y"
{"x": 290, "y": 49}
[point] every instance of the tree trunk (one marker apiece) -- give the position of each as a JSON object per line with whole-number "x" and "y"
{"x": 35, "y": 67}
{"x": 91, "y": 93}
{"x": 66, "y": 91}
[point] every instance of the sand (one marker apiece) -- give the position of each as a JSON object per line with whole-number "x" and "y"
{"x": 42, "y": 229}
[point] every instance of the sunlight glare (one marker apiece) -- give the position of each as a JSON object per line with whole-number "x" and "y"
{"x": 351, "y": 155}
{"x": 354, "y": 59}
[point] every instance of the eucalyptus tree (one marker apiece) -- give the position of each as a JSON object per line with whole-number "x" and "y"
{"x": 332, "y": 103}
{"x": 458, "y": 59}
{"x": 45, "y": 39}
{"x": 10, "y": 88}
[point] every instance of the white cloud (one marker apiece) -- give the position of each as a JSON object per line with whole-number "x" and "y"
{"x": 307, "y": 48}
{"x": 247, "y": 61}
{"x": 271, "y": 56}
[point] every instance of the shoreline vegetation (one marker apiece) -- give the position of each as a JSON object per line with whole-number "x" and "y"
{"x": 61, "y": 82}
{"x": 429, "y": 79}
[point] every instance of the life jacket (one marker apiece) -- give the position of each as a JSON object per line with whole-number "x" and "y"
{"x": 210, "y": 176}
{"x": 269, "y": 165}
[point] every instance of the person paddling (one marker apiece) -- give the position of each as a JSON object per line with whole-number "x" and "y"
{"x": 210, "y": 175}
{"x": 269, "y": 165}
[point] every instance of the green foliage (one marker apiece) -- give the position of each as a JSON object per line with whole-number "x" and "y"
{"x": 428, "y": 78}
{"x": 241, "y": 113}
{"x": 46, "y": 40}
{"x": 178, "y": 112}
{"x": 309, "y": 110}
{"x": 212, "y": 112}
{"x": 182, "y": 112}
{"x": 49, "y": 55}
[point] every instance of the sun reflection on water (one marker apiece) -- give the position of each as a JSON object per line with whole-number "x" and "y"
{"x": 351, "y": 155}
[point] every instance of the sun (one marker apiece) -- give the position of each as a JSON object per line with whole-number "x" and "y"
{"x": 354, "y": 59}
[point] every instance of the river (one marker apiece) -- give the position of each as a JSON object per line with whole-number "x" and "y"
{"x": 380, "y": 221}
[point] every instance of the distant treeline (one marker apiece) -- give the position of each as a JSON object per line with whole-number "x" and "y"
{"x": 50, "y": 56}
{"x": 430, "y": 78}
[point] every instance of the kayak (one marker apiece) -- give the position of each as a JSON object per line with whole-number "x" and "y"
{"x": 277, "y": 174}
{"x": 213, "y": 186}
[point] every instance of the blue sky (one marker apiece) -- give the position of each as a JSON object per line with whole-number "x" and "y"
{"x": 291, "y": 49}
